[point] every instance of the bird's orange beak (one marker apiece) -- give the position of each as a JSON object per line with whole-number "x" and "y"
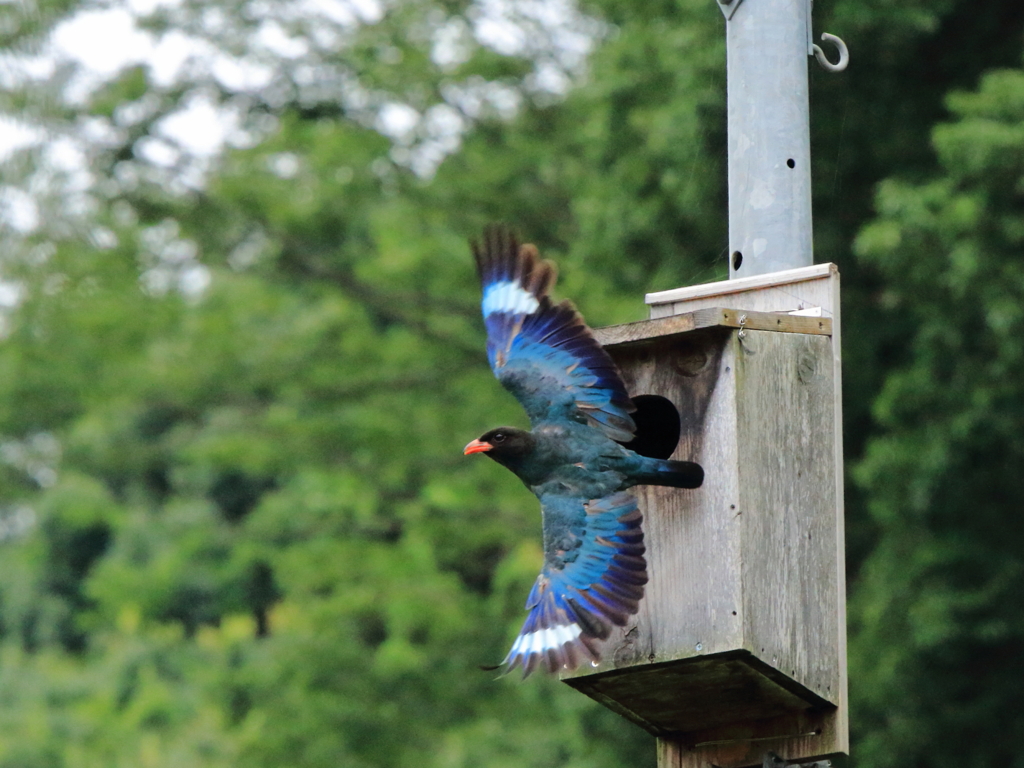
{"x": 477, "y": 446}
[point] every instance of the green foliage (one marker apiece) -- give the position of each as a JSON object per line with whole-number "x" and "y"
{"x": 235, "y": 523}
{"x": 938, "y": 619}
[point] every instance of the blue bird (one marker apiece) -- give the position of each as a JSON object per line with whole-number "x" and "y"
{"x": 572, "y": 459}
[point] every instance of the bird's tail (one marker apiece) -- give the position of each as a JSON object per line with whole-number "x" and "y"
{"x": 674, "y": 474}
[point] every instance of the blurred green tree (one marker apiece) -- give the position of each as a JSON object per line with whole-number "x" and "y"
{"x": 938, "y": 615}
{"x": 235, "y": 526}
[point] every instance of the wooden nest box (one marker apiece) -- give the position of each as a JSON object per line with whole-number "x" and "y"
{"x": 740, "y": 643}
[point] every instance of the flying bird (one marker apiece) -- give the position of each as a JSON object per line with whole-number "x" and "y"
{"x": 572, "y": 458}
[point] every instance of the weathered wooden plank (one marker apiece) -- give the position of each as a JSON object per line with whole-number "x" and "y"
{"x": 795, "y": 289}
{"x": 692, "y": 601}
{"x": 744, "y": 285}
{"x": 804, "y": 736}
{"x": 710, "y": 317}
{"x": 691, "y": 698}
{"x": 784, "y": 402}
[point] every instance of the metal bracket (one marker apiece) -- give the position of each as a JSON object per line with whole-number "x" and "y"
{"x": 771, "y": 760}
{"x": 728, "y": 7}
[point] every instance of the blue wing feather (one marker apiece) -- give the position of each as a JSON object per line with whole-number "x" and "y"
{"x": 542, "y": 352}
{"x": 593, "y": 578}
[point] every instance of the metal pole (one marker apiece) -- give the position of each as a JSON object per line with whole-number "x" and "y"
{"x": 769, "y": 135}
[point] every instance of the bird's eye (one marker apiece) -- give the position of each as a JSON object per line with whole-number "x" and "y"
{"x": 499, "y": 438}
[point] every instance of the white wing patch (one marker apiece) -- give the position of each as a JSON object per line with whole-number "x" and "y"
{"x": 508, "y": 297}
{"x": 545, "y": 639}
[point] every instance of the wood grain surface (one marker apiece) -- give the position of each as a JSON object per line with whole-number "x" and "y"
{"x": 740, "y": 642}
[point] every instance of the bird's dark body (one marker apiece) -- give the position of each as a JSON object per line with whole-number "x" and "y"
{"x": 571, "y": 457}
{"x": 572, "y": 460}
{"x": 577, "y": 459}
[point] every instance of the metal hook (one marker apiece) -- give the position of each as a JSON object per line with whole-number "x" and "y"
{"x": 844, "y": 53}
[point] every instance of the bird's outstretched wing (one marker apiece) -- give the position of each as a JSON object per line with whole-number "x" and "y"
{"x": 593, "y": 577}
{"x": 544, "y": 353}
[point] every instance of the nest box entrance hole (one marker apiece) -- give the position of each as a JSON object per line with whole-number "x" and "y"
{"x": 658, "y": 427}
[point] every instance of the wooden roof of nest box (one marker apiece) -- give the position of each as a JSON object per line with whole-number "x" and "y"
{"x": 740, "y": 642}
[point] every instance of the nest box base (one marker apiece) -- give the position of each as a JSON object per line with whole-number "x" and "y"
{"x": 690, "y": 696}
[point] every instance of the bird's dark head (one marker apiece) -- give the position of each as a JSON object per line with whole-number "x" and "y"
{"x": 506, "y": 445}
